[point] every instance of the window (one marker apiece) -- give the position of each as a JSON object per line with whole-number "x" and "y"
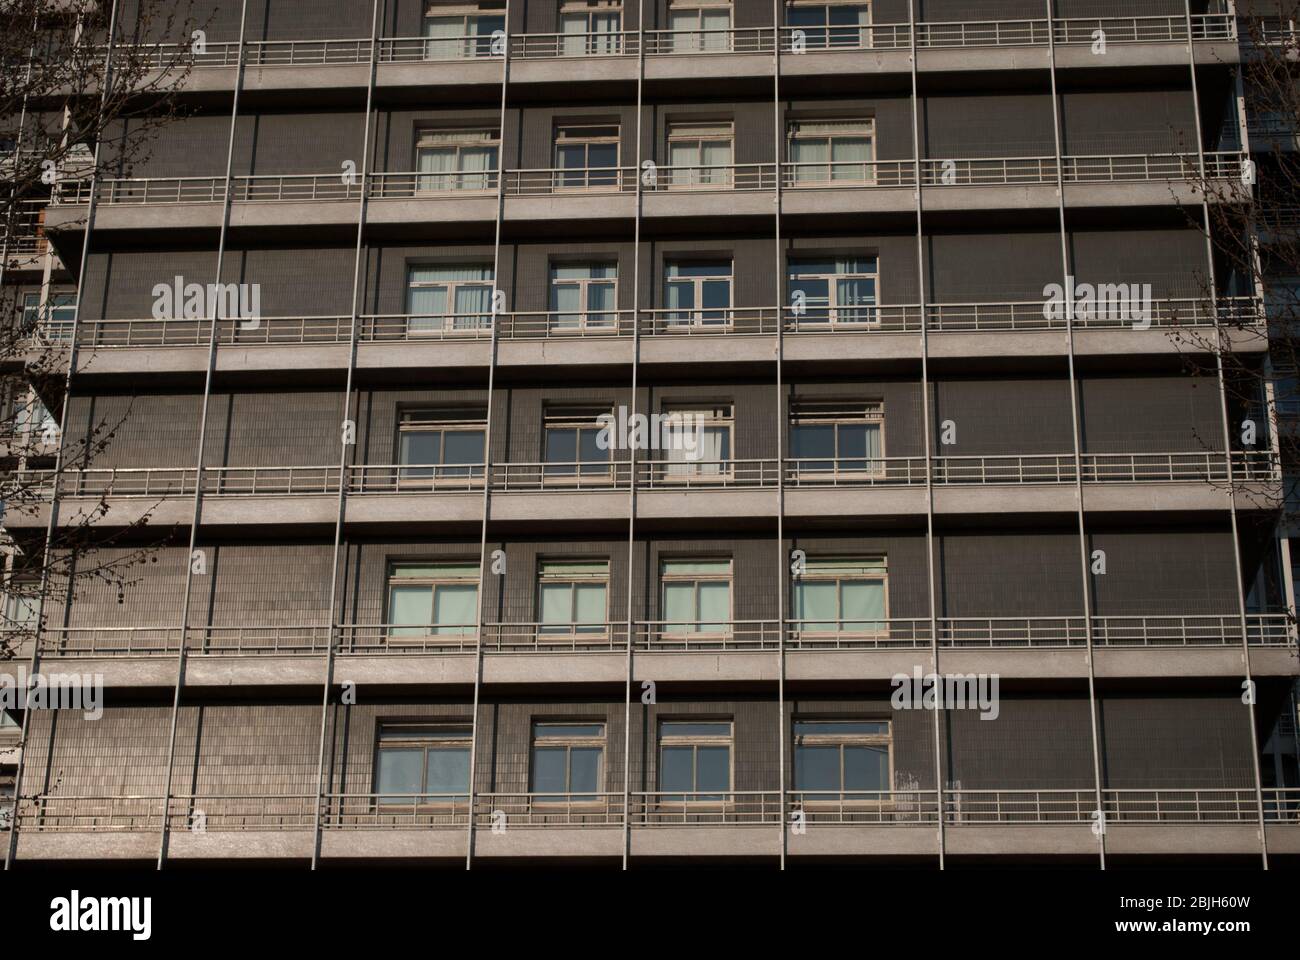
{"x": 833, "y": 292}
{"x": 583, "y": 296}
{"x": 448, "y": 298}
{"x": 837, "y": 439}
{"x": 590, "y": 27}
{"x": 586, "y": 155}
{"x": 55, "y": 321}
{"x": 698, "y": 441}
{"x": 456, "y": 159}
{"x": 696, "y": 596}
{"x": 699, "y": 26}
{"x": 699, "y": 154}
{"x": 567, "y": 759}
{"x": 840, "y": 756}
{"x": 571, "y": 447}
{"x": 838, "y": 596}
{"x": 435, "y": 445}
{"x": 572, "y": 597}
{"x": 830, "y": 23}
{"x": 695, "y": 760}
{"x": 832, "y": 151}
{"x": 433, "y": 599}
{"x": 422, "y": 763}
{"x": 6, "y": 801}
{"x": 22, "y": 607}
{"x": 698, "y": 294}
{"x": 460, "y": 30}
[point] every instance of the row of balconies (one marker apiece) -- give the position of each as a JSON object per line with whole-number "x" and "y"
{"x": 733, "y": 43}
{"x": 724, "y": 823}
{"x": 842, "y": 177}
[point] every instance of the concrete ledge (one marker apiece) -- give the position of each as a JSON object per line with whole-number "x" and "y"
{"x": 864, "y": 840}
{"x": 118, "y": 845}
{"x": 1283, "y": 837}
{"x": 1019, "y": 839}
{"x": 394, "y": 843}
{"x": 731, "y": 840}
{"x": 1173, "y": 839}
{"x": 293, "y": 844}
{"x": 523, "y": 841}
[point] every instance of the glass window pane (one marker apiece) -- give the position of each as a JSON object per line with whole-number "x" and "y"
{"x": 676, "y": 768}
{"x": 817, "y": 768}
{"x": 815, "y": 603}
{"x": 448, "y": 771}
{"x": 561, "y": 447}
{"x": 679, "y": 606}
{"x": 420, "y": 447}
{"x": 840, "y": 727}
{"x": 590, "y": 604}
{"x": 410, "y": 604}
{"x": 463, "y": 446}
{"x": 866, "y": 768}
{"x": 864, "y": 604}
{"x": 695, "y": 728}
{"x": 399, "y": 771}
{"x": 455, "y": 608}
{"x": 557, "y": 601}
{"x": 548, "y": 769}
{"x": 542, "y": 731}
{"x": 715, "y": 605}
{"x": 713, "y": 768}
{"x": 584, "y": 770}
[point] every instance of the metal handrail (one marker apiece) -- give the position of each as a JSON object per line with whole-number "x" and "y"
{"x": 360, "y": 811}
{"x": 894, "y": 807}
{"x": 659, "y": 808}
{"x": 712, "y": 636}
{"x": 600, "y": 808}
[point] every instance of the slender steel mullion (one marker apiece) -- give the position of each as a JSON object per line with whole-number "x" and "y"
{"x": 487, "y": 440}
{"x": 631, "y": 494}
{"x": 196, "y": 516}
{"x": 782, "y": 559}
{"x": 1219, "y": 349}
{"x": 941, "y": 834}
{"x": 52, "y": 523}
{"x": 362, "y": 209}
{"x": 1076, "y": 439}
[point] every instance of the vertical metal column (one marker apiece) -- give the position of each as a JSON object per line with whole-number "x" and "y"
{"x": 330, "y": 627}
{"x": 196, "y": 516}
{"x": 53, "y": 522}
{"x": 782, "y": 558}
{"x": 1219, "y": 348}
{"x": 1077, "y": 440}
{"x": 926, "y": 428}
{"x": 487, "y": 442}
{"x": 631, "y": 493}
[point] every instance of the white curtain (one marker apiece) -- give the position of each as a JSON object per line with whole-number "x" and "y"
{"x": 447, "y": 41}
{"x": 437, "y": 167}
{"x": 455, "y": 609}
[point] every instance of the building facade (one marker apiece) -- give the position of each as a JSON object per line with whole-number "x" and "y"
{"x": 615, "y": 415}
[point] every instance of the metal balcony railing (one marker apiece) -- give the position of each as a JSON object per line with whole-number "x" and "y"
{"x": 596, "y": 809}
{"x": 1252, "y": 466}
{"x": 1161, "y": 631}
{"x": 703, "y": 808}
{"x": 404, "y": 811}
{"x": 744, "y": 636}
{"x": 231, "y": 812}
{"x": 660, "y": 322}
{"x": 1169, "y": 807}
{"x": 864, "y": 807}
{"x": 875, "y": 36}
{"x": 466, "y": 184}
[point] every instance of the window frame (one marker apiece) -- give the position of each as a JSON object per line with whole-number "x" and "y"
{"x": 593, "y": 41}
{"x": 571, "y": 634}
{"x": 391, "y": 580}
{"x": 460, "y": 139}
{"x": 719, "y": 414}
{"x": 471, "y": 45}
{"x": 699, "y": 175}
{"x": 697, "y": 318}
{"x": 570, "y": 798}
{"x": 867, "y": 132}
{"x": 585, "y": 313}
{"x": 727, "y": 628}
{"x": 833, "y": 307}
{"x": 865, "y": 35}
{"x": 841, "y": 741}
{"x": 439, "y": 420}
{"x": 839, "y": 632}
{"x": 599, "y": 179}
{"x": 387, "y": 802}
{"x": 837, "y": 413}
{"x": 695, "y": 39}
{"x": 579, "y": 417}
{"x": 709, "y": 801}
{"x": 450, "y": 322}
